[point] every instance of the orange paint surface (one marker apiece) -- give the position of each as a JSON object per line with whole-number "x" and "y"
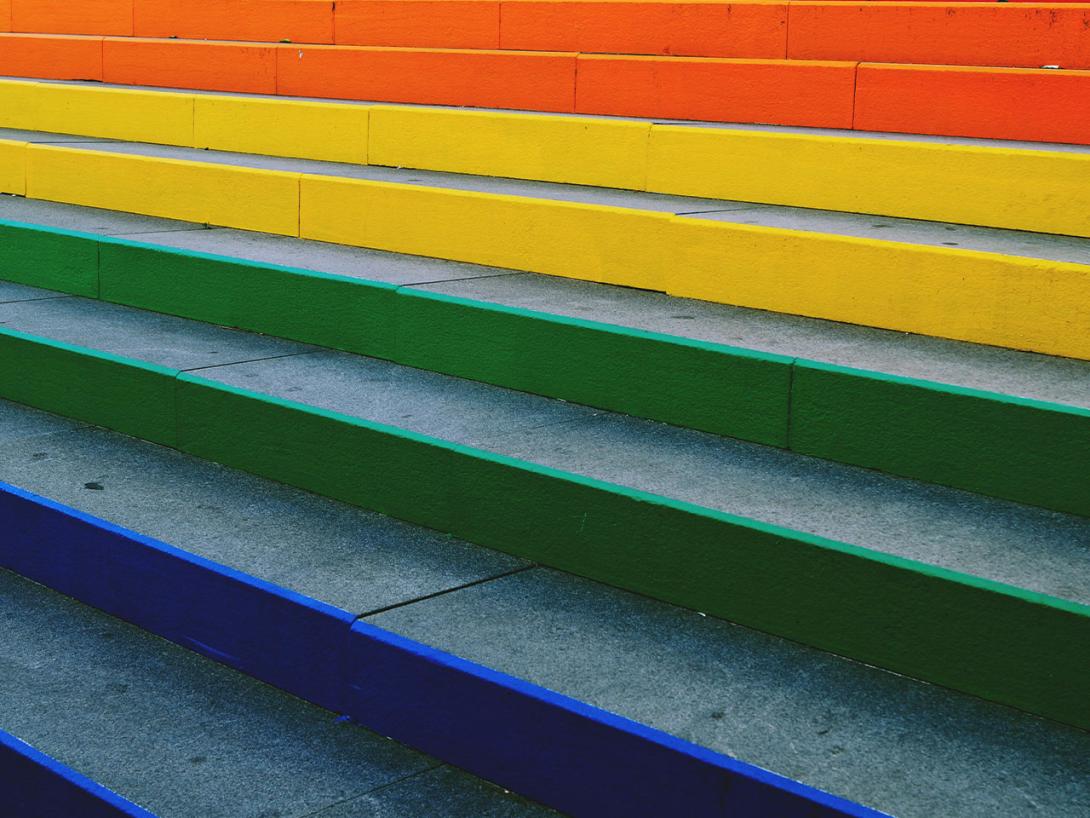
{"x": 997, "y": 34}
{"x": 493, "y": 79}
{"x": 5, "y": 15}
{"x": 190, "y": 64}
{"x": 54, "y": 57}
{"x": 772, "y": 92}
{"x": 419, "y": 23}
{"x": 1012, "y": 103}
{"x": 72, "y": 16}
{"x": 301, "y": 21}
{"x": 757, "y": 30}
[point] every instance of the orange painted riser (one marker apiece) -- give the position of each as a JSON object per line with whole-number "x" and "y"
{"x": 772, "y": 92}
{"x": 538, "y": 81}
{"x": 1012, "y": 103}
{"x": 998, "y": 34}
{"x": 5, "y": 15}
{"x": 419, "y": 23}
{"x": 301, "y": 21}
{"x": 239, "y": 67}
{"x": 53, "y": 57}
{"x": 755, "y": 30}
{"x": 72, "y": 16}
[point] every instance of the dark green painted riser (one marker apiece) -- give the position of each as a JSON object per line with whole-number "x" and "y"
{"x": 1000, "y": 643}
{"x": 1021, "y": 450}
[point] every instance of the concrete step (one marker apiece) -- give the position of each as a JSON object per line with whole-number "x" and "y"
{"x": 727, "y": 252}
{"x": 636, "y": 504}
{"x": 1011, "y": 103}
{"x": 181, "y": 735}
{"x": 815, "y": 717}
{"x": 980, "y": 182}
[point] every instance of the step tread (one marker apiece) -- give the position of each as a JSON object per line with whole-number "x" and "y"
{"x": 994, "y": 369}
{"x": 795, "y": 710}
{"x": 912, "y": 231}
{"x": 184, "y": 736}
{"x": 868, "y": 735}
{"x": 1019, "y": 545}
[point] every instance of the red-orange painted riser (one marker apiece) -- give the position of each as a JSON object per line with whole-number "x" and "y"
{"x": 998, "y": 103}
{"x": 72, "y": 16}
{"x": 419, "y": 23}
{"x": 5, "y": 15}
{"x": 238, "y": 67}
{"x": 537, "y": 81}
{"x": 54, "y": 57}
{"x": 767, "y": 91}
{"x": 756, "y": 30}
{"x": 301, "y": 21}
{"x": 998, "y": 34}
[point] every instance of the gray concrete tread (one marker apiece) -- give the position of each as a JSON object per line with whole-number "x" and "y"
{"x": 186, "y": 737}
{"x": 911, "y": 231}
{"x": 793, "y": 129}
{"x": 975, "y": 366}
{"x": 831, "y": 722}
{"x": 1023, "y": 546}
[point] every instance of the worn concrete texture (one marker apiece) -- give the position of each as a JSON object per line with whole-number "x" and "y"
{"x": 146, "y": 336}
{"x": 86, "y": 219}
{"x": 908, "y": 748}
{"x": 10, "y": 292}
{"x": 1024, "y": 374}
{"x": 354, "y": 559}
{"x": 936, "y": 234}
{"x": 184, "y": 736}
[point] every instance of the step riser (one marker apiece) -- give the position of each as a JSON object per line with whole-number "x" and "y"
{"x": 33, "y": 784}
{"x": 392, "y": 685}
{"x": 1010, "y": 103}
{"x": 1002, "y": 643}
{"x": 690, "y": 257}
{"x": 994, "y": 187}
{"x": 1020, "y": 450}
{"x": 934, "y": 33}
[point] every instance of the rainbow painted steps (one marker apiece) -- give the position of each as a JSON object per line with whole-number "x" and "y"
{"x": 768, "y": 700}
{"x": 976, "y": 182}
{"x": 1023, "y": 291}
{"x": 511, "y": 491}
{"x": 1008, "y": 103}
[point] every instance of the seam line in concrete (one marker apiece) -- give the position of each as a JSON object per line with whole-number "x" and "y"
{"x": 446, "y": 591}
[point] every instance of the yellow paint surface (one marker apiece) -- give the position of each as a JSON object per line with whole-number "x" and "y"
{"x": 113, "y": 113}
{"x": 195, "y": 191}
{"x": 981, "y": 297}
{"x": 305, "y": 130}
{"x": 1045, "y": 191}
{"x": 607, "y": 244}
{"x": 13, "y": 167}
{"x": 578, "y": 150}
{"x": 986, "y": 298}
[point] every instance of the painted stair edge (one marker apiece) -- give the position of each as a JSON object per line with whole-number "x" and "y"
{"x": 845, "y": 173}
{"x": 494, "y": 725}
{"x": 1032, "y": 304}
{"x": 35, "y": 785}
{"x": 1017, "y": 449}
{"x": 999, "y": 642}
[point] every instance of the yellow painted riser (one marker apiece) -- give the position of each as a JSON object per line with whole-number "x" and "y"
{"x": 1044, "y": 191}
{"x": 980, "y": 297}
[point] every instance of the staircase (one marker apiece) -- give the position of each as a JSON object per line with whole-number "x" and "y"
{"x": 474, "y": 408}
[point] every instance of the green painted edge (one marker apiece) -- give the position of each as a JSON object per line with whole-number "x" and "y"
{"x": 1003, "y": 446}
{"x": 708, "y": 387}
{"x": 336, "y": 312}
{"x": 118, "y": 393}
{"x": 60, "y": 260}
{"x": 999, "y": 642}
{"x": 732, "y": 384}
